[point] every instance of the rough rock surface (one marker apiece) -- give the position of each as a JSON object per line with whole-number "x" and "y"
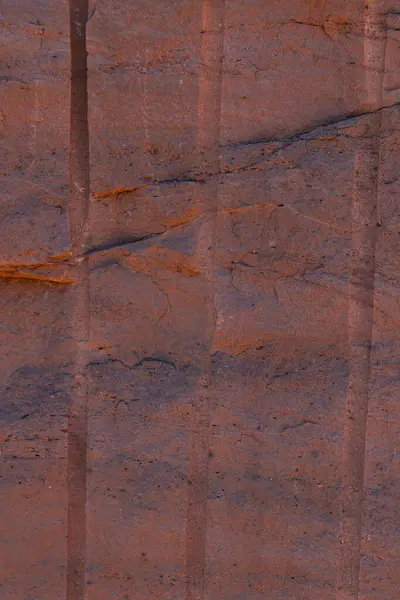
{"x": 199, "y": 374}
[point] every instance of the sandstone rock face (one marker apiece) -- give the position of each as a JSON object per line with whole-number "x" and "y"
{"x": 199, "y": 296}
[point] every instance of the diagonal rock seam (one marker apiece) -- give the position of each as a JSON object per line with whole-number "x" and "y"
{"x": 316, "y": 126}
{"x": 305, "y": 135}
{"x": 308, "y": 134}
{"x": 14, "y": 270}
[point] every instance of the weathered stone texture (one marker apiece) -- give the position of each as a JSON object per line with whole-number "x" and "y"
{"x": 237, "y": 278}
{"x": 36, "y": 357}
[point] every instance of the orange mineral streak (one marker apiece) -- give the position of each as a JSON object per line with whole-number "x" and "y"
{"x": 33, "y": 277}
{"x": 113, "y": 193}
{"x": 185, "y": 218}
{"x": 28, "y": 271}
{"x": 162, "y": 257}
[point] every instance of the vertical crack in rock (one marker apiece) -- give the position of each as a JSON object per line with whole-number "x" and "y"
{"x": 361, "y": 300}
{"x": 78, "y": 220}
{"x": 209, "y": 116}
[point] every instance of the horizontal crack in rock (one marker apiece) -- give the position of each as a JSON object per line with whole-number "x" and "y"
{"x": 140, "y": 363}
{"x": 305, "y": 422}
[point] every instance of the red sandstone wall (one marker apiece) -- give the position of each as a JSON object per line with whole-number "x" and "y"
{"x": 199, "y": 297}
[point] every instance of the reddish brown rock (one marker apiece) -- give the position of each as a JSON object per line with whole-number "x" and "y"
{"x": 35, "y": 119}
{"x": 200, "y": 357}
{"x": 36, "y": 358}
